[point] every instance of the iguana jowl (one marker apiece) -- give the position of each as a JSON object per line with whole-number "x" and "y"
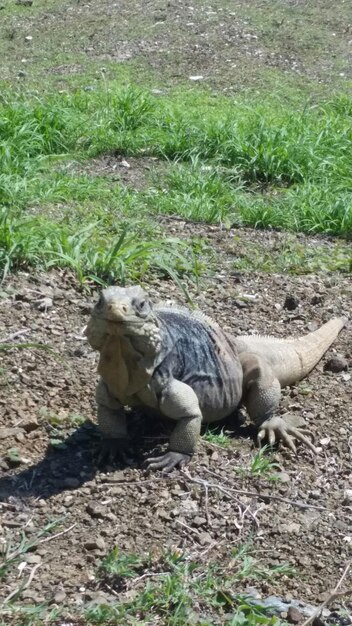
{"x": 182, "y": 364}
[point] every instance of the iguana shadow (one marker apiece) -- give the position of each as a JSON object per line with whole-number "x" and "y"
{"x": 73, "y": 461}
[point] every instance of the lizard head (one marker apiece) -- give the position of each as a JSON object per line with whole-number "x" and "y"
{"x": 125, "y": 307}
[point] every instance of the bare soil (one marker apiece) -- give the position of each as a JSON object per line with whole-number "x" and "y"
{"x": 55, "y": 474}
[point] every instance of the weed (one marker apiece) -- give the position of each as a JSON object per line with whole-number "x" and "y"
{"x": 11, "y": 552}
{"x": 36, "y": 241}
{"x": 175, "y": 589}
{"x": 219, "y": 439}
{"x": 292, "y": 257}
{"x": 261, "y": 465}
{"x": 59, "y": 420}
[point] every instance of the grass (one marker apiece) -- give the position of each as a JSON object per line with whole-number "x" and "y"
{"x": 261, "y": 465}
{"x": 291, "y": 256}
{"x": 172, "y": 589}
{"x": 221, "y": 439}
{"x": 232, "y": 162}
{"x": 12, "y": 551}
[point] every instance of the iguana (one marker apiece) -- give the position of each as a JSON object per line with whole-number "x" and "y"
{"x": 182, "y": 364}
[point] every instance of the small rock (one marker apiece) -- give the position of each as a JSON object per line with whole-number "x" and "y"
{"x": 336, "y": 364}
{"x": 292, "y": 528}
{"x": 95, "y": 544}
{"x": 28, "y": 38}
{"x": 204, "y": 538}
{"x": 59, "y": 596}
{"x": 110, "y": 516}
{"x": 95, "y": 509}
{"x": 29, "y": 424}
{"x": 199, "y": 521}
{"x": 43, "y": 304}
{"x": 240, "y": 304}
{"x": 294, "y": 616}
{"x": 283, "y": 477}
{"x": 347, "y": 496}
{"x": 196, "y": 77}
{"x": 291, "y": 302}
{"x": 325, "y": 441}
{"x": 317, "y": 299}
{"x": 71, "y": 482}
{"x": 33, "y": 558}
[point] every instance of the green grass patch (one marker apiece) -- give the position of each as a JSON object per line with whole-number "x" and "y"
{"x": 172, "y": 588}
{"x": 233, "y": 162}
{"x": 261, "y": 465}
{"x": 287, "y": 255}
{"x": 94, "y": 252}
{"x": 217, "y": 438}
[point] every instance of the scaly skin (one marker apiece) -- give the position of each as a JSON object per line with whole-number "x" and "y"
{"x": 182, "y": 364}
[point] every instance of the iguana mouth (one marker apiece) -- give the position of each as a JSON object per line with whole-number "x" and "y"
{"x": 118, "y": 322}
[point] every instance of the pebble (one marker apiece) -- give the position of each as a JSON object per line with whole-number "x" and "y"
{"x": 199, "y": 521}
{"x": 336, "y": 364}
{"x": 33, "y": 558}
{"x": 347, "y": 496}
{"x": 30, "y": 424}
{"x": 95, "y": 509}
{"x": 95, "y": 544}
{"x": 204, "y": 538}
{"x": 294, "y": 616}
{"x": 71, "y": 482}
{"x": 291, "y": 302}
{"x": 59, "y": 596}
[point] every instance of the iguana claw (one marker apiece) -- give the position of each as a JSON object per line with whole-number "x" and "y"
{"x": 112, "y": 450}
{"x": 168, "y": 461}
{"x": 285, "y": 428}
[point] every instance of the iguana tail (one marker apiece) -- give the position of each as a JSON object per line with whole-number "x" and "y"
{"x": 292, "y": 359}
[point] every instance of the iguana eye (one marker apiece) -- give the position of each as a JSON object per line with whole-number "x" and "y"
{"x": 142, "y": 307}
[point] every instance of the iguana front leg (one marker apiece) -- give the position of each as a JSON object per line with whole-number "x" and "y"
{"x": 112, "y": 425}
{"x": 261, "y": 396}
{"x": 179, "y": 402}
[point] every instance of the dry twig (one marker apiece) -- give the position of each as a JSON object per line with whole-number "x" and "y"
{"x": 22, "y": 587}
{"x": 13, "y": 336}
{"x": 266, "y": 496}
{"x": 333, "y": 595}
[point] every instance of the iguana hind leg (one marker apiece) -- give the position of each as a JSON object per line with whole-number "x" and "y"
{"x": 261, "y": 397}
{"x": 179, "y": 402}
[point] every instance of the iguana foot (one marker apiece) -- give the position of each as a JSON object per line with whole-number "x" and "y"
{"x": 168, "y": 461}
{"x": 112, "y": 450}
{"x": 285, "y": 428}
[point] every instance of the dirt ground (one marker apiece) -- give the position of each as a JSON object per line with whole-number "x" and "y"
{"x": 47, "y": 414}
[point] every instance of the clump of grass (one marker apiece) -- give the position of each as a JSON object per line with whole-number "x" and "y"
{"x": 180, "y": 590}
{"x": 261, "y": 465}
{"x": 12, "y": 552}
{"x": 217, "y": 438}
{"x": 291, "y": 256}
{"x": 35, "y": 241}
{"x": 172, "y": 588}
